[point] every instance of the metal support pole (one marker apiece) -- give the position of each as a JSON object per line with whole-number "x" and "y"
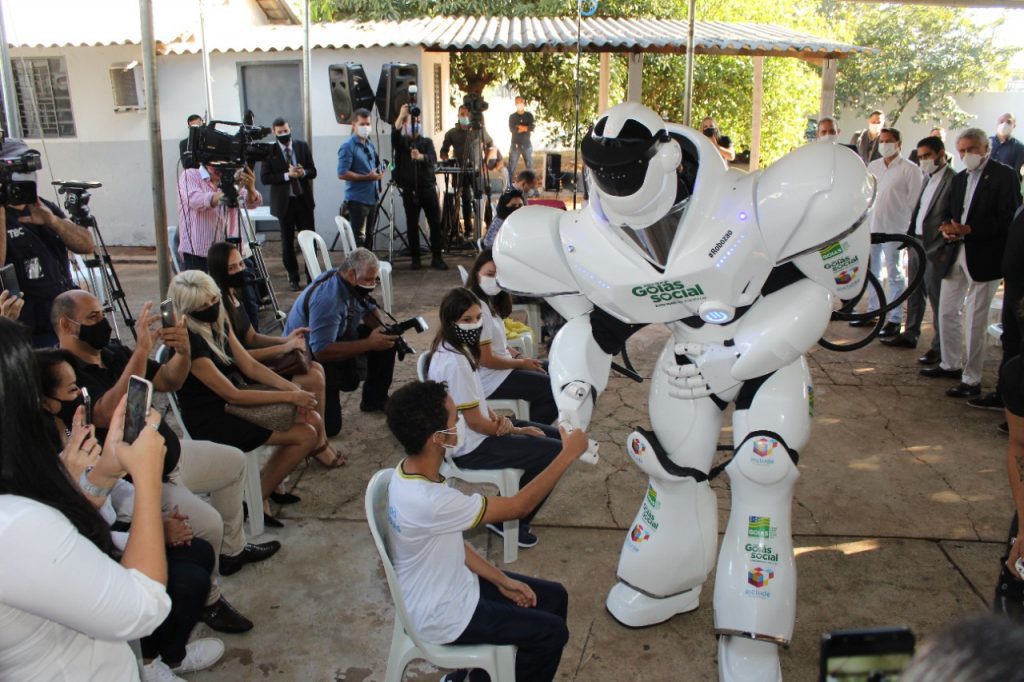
{"x": 691, "y": 20}
{"x": 307, "y": 113}
{"x": 757, "y": 105}
{"x": 206, "y": 60}
{"x": 828, "y": 87}
{"x": 156, "y": 155}
{"x": 635, "y": 78}
{"x": 13, "y": 126}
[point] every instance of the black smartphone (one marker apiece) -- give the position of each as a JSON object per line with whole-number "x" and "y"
{"x": 87, "y": 404}
{"x": 9, "y": 280}
{"x": 870, "y": 655}
{"x": 140, "y": 397}
{"x": 168, "y": 318}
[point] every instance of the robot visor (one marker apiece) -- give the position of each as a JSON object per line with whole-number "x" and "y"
{"x": 656, "y": 239}
{"x": 618, "y": 166}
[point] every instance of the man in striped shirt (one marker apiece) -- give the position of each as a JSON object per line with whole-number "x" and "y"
{"x": 204, "y": 217}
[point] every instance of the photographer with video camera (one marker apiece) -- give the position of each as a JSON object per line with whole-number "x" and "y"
{"x": 347, "y": 334}
{"x": 415, "y": 159}
{"x": 36, "y": 241}
{"x": 471, "y": 144}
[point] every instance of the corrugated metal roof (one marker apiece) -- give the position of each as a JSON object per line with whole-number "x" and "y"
{"x": 487, "y": 34}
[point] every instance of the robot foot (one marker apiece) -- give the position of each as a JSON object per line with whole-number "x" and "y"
{"x": 741, "y": 659}
{"x": 635, "y": 609}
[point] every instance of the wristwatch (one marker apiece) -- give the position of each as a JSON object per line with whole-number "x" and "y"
{"x": 89, "y": 487}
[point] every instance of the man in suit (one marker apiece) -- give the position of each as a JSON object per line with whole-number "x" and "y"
{"x": 193, "y": 121}
{"x": 289, "y": 171}
{"x": 983, "y": 200}
{"x": 929, "y": 213}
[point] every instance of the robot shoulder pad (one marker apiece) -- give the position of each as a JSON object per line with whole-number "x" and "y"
{"x": 812, "y": 197}
{"x": 528, "y": 254}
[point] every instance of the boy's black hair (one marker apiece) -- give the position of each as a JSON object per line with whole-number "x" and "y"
{"x": 415, "y": 412}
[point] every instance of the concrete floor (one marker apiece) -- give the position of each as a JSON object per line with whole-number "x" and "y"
{"x": 898, "y": 518}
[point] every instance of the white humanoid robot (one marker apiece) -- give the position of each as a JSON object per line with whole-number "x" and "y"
{"x": 745, "y": 270}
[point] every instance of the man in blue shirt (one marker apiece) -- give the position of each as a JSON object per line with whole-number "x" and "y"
{"x": 1006, "y": 148}
{"x": 360, "y": 167}
{"x": 346, "y": 334}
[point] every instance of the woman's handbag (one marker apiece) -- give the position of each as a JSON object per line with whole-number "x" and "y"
{"x": 292, "y": 363}
{"x": 274, "y": 416}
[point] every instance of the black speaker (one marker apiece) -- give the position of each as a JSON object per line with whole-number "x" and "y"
{"x": 393, "y": 88}
{"x": 349, "y": 90}
{"x": 552, "y": 172}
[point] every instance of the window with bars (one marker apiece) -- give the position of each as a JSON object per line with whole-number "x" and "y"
{"x": 44, "y": 97}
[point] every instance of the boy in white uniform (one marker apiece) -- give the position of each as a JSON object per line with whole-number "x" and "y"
{"x": 454, "y": 595}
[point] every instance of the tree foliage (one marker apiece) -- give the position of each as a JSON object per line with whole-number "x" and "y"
{"x": 929, "y": 54}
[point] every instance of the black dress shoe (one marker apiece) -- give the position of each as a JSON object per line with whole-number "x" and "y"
{"x": 963, "y": 390}
{"x": 989, "y": 401}
{"x": 437, "y": 263}
{"x": 889, "y": 329}
{"x": 294, "y": 285}
{"x": 940, "y": 373}
{"x": 900, "y": 341}
{"x": 285, "y": 498}
{"x": 930, "y": 357}
{"x": 863, "y": 323}
{"x": 222, "y": 617}
{"x": 416, "y": 264}
{"x": 253, "y": 553}
{"x": 1004, "y": 428}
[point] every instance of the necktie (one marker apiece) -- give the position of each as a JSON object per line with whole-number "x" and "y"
{"x": 296, "y": 187}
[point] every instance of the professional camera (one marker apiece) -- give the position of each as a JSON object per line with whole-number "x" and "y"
{"x": 206, "y": 144}
{"x": 414, "y": 108}
{"x": 399, "y": 328}
{"x": 18, "y": 192}
{"x": 477, "y": 105}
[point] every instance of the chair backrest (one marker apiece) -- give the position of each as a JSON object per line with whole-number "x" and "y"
{"x": 377, "y": 518}
{"x": 313, "y": 249}
{"x": 173, "y": 241}
{"x": 464, "y": 274}
{"x": 348, "y": 238}
{"x": 421, "y": 366}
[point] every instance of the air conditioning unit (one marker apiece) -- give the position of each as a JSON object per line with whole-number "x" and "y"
{"x": 127, "y": 86}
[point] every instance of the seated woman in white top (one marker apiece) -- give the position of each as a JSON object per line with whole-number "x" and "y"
{"x": 454, "y": 595}
{"x": 492, "y": 442}
{"x": 504, "y": 373}
{"x": 68, "y": 607}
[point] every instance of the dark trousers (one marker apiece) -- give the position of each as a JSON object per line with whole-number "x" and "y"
{"x": 362, "y": 219}
{"x": 534, "y": 387}
{"x": 298, "y": 217}
{"x": 930, "y": 286}
{"x": 414, "y": 200}
{"x": 1013, "y": 323}
{"x": 375, "y": 370}
{"x": 470, "y": 183}
{"x": 250, "y": 299}
{"x": 529, "y": 453}
{"x": 190, "y": 261}
{"x": 1009, "y": 594}
{"x": 539, "y": 633}
{"x": 188, "y": 584}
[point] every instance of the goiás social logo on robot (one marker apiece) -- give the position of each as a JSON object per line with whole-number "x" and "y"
{"x": 760, "y": 527}
{"x": 843, "y": 265}
{"x": 764, "y": 451}
{"x": 670, "y": 293}
{"x": 761, "y": 552}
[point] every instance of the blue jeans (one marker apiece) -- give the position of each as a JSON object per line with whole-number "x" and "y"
{"x": 514, "y": 152}
{"x": 895, "y": 284}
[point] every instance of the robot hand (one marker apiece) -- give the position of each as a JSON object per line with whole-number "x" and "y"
{"x": 709, "y": 373}
{"x": 574, "y": 409}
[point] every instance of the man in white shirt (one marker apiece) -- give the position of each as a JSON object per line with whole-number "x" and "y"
{"x": 454, "y": 595}
{"x": 899, "y": 185}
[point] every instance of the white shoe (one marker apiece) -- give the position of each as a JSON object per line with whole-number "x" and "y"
{"x": 200, "y": 655}
{"x": 157, "y": 671}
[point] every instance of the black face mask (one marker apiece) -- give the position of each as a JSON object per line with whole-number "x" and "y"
{"x": 237, "y": 280}
{"x": 284, "y": 139}
{"x": 207, "y": 315}
{"x": 710, "y": 132}
{"x": 470, "y": 337}
{"x": 95, "y": 335}
{"x": 67, "y": 409}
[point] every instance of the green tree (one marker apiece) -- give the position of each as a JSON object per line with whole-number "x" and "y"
{"x": 927, "y": 54}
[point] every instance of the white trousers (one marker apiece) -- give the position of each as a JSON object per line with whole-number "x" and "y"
{"x": 962, "y": 300}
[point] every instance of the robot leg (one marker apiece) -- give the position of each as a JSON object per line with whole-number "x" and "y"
{"x": 670, "y": 547}
{"x": 755, "y": 585}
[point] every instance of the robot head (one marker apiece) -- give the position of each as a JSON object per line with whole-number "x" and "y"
{"x": 632, "y": 162}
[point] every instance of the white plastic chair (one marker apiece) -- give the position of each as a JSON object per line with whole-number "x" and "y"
{"x": 387, "y": 293}
{"x": 313, "y": 248}
{"x": 406, "y": 645}
{"x": 463, "y": 274}
{"x": 347, "y": 236}
{"x": 252, "y": 491}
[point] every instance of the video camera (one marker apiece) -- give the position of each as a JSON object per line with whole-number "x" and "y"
{"x": 18, "y": 192}
{"x": 414, "y": 108}
{"x": 208, "y": 145}
{"x": 477, "y": 105}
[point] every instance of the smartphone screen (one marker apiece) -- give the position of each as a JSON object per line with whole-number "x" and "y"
{"x": 9, "y": 280}
{"x": 168, "y": 318}
{"x": 87, "y": 404}
{"x": 140, "y": 395}
{"x": 874, "y": 655}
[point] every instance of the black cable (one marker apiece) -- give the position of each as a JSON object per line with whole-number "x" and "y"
{"x": 879, "y": 323}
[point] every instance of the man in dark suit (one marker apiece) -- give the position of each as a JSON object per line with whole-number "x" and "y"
{"x": 193, "y": 121}
{"x": 929, "y": 213}
{"x": 289, "y": 171}
{"x": 983, "y": 200}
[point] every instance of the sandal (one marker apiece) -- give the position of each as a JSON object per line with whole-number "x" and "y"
{"x": 338, "y": 460}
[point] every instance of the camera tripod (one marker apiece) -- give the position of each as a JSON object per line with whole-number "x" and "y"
{"x": 112, "y": 296}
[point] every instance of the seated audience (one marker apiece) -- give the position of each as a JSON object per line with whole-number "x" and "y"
{"x": 69, "y": 599}
{"x": 504, "y": 373}
{"x": 280, "y": 354}
{"x": 508, "y": 203}
{"x": 346, "y": 334}
{"x": 526, "y": 182}
{"x": 220, "y": 376}
{"x": 453, "y": 594}
{"x": 491, "y": 442}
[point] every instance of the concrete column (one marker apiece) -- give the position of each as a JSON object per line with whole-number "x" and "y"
{"x": 604, "y": 83}
{"x": 755, "y": 123}
{"x": 829, "y": 67}
{"x": 635, "y": 77}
